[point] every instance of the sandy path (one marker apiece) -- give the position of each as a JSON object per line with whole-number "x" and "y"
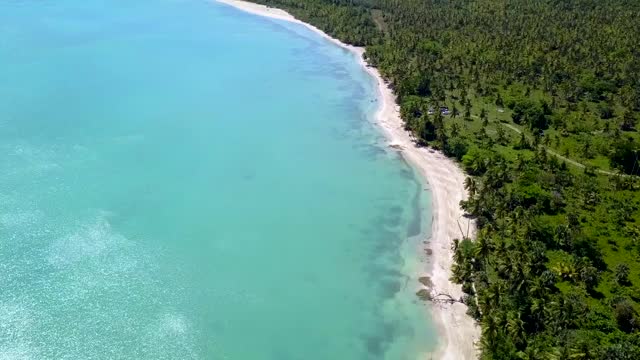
{"x": 458, "y": 332}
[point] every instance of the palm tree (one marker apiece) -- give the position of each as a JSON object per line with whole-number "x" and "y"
{"x": 515, "y": 327}
{"x": 482, "y": 248}
{"x": 490, "y": 328}
{"x": 471, "y": 186}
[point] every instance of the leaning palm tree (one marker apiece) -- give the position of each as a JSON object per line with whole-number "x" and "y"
{"x": 471, "y": 186}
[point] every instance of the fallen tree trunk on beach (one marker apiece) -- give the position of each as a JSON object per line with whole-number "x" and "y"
{"x": 430, "y": 294}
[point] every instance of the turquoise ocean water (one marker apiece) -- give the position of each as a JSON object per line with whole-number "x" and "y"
{"x": 181, "y": 180}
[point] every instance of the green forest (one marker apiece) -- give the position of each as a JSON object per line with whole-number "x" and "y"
{"x": 544, "y": 100}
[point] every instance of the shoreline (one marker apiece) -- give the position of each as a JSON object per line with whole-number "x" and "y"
{"x": 457, "y": 332}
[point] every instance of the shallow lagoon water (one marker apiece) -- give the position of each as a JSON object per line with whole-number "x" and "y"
{"x": 182, "y": 180}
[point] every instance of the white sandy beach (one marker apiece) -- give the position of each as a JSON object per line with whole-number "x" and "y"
{"x": 458, "y": 332}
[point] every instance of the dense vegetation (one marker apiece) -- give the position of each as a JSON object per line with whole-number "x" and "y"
{"x": 544, "y": 98}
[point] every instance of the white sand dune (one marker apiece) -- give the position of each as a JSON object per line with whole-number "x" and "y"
{"x": 458, "y": 332}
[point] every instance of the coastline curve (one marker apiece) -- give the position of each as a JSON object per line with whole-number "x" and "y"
{"x": 458, "y": 333}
